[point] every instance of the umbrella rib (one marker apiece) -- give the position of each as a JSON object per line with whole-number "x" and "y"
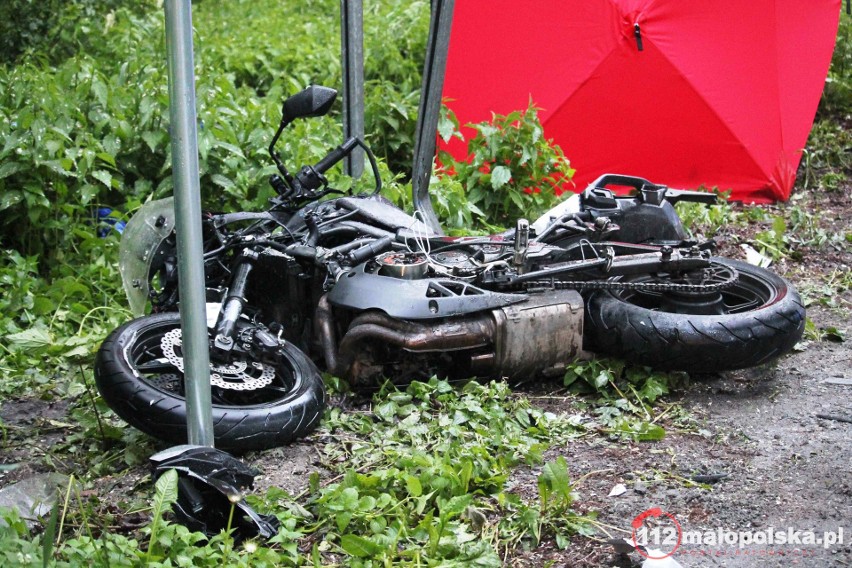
{"x": 722, "y": 121}
{"x": 583, "y": 84}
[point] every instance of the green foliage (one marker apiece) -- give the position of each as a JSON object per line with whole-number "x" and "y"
{"x": 458, "y": 214}
{"x": 52, "y": 325}
{"x": 274, "y": 44}
{"x": 166, "y": 494}
{"x": 827, "y": 160}
{"x": 420, "y": 471}
{"x": 420, "y": 480}
{"x": 829, "y": 290}
{"x": 826, "y": 333}
{"x": 55, "y": 29}
{"x": 837, "y": 95}
{"x": 708, "y": 220}
{"x": 513, "y": 171}
{"x": 24, "y": 23}
{"x": 790, "y": 233}
{"x": 623, "y": 396}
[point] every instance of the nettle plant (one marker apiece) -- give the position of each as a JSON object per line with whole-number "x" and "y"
{"x": 511, "y": 170}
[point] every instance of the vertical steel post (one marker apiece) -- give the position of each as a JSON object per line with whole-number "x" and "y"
{"x": 430, "y": 107}
{"x": 352, "y": 57}
{"x": 196, "y": 355}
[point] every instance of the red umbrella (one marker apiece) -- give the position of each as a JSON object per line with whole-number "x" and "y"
{"x": 682, "y": 92}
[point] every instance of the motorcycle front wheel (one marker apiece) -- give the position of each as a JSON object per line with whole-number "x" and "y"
{"x": 256, "y": 404}
{"x": 758, "y": 318}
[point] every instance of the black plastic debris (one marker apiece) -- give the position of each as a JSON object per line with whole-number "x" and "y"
{"x": 210, "y": 483}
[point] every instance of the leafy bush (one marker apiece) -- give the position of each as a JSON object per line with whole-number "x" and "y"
{"x": 837, "y": 95}
{"x": 25, "y": 23}
{"x": 512, "y": 171}
{"x": 52, "y": 28}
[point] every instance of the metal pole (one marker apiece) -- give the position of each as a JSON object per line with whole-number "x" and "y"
{"x": 352, "y": 57}
{"x": 430, "y": 108}
{"x": 196, "y": 355}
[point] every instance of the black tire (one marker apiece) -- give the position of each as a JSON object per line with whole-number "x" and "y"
{"x": 763, "y": 318}
{"x": 139, "y": 383}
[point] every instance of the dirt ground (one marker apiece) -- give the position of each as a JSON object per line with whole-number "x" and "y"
{"x": 771, "y": 443}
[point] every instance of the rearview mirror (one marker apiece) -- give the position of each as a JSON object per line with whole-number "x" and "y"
{"x": 313, "y": 101}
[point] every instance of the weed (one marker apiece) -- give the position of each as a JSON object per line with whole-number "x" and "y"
{"x": 699, "y": 218}
{"x": 827, "y": 333}
{"x": 623, "y": 396}
{"x": 513, "y": 171}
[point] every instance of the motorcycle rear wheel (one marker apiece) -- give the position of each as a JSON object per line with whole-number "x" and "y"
{"x": 762, "y": 317}
{"x": 260, "y": 405}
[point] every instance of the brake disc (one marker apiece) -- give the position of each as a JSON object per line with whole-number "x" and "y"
{"x": 238, "y": 374}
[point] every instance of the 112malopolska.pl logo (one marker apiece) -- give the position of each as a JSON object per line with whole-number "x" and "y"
{"x": 657, "y": 534}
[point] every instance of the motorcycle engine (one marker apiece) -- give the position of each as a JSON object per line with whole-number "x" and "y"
{"x": 405, "y": 265}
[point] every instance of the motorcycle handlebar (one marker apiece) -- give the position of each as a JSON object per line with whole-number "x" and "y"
{"x": 311, "y": 178}
{"x": 335, "y": 155}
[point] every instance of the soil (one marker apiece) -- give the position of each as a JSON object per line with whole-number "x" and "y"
{"x": 774, "y": 443}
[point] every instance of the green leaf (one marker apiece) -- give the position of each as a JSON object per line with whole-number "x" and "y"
{"x": 166, "y": 493}
{"x": 33, "y": 338}
{"x": 49, "y": 537}
{"x": 359, "y": 546}
{"x": 61, "y": 167}
{"x": 153, "y": 138}
{"x": 100, "y": 91}
{"x": 342, "y": 520}
{"x": 348, "y": 499}
{"x": 834, "y": 334}
{"x": 9, "y": 198}
{"x": 555, "y": 476}
{"x": 43, "y": 305}
{"x": 9, "y": 168}
{"x": 88, "y": 193}
{"x": 500, "y": 176}
{"x": 517, "y": 199}
{"x": 455, "y": 506}
{"x": 104, "y": 177}
{"x": 653, "y": 389}
{"x": 222, "y": 181}
{"x": 229, "y": 147}
{"x": 601, "y": 380}
{"x": 108, "y": 158}
{"x": 643, "y": 431}
{"x": 415, "y": 489}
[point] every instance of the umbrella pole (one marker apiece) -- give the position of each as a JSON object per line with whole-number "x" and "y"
{"x": 188, "y": 222}
{"x": 431, "y": 88}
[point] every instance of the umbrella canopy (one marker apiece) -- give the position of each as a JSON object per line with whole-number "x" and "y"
{"x": 682, "y": 92}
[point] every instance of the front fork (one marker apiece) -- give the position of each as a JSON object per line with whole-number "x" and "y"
{"x": 232, "y": 308}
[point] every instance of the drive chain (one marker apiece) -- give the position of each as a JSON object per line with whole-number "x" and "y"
{"x": 618, "y": 285}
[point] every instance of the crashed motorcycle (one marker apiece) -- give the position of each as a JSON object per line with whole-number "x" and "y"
{"x": 351, "y": 284}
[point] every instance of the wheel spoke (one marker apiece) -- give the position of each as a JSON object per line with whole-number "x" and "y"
{"x": 275, "y": 389}
{"x": 738, "y": 303}
{"x": 155, "y": 366}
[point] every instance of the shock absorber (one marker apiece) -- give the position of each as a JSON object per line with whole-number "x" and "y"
{"x": 232, "y": 307}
